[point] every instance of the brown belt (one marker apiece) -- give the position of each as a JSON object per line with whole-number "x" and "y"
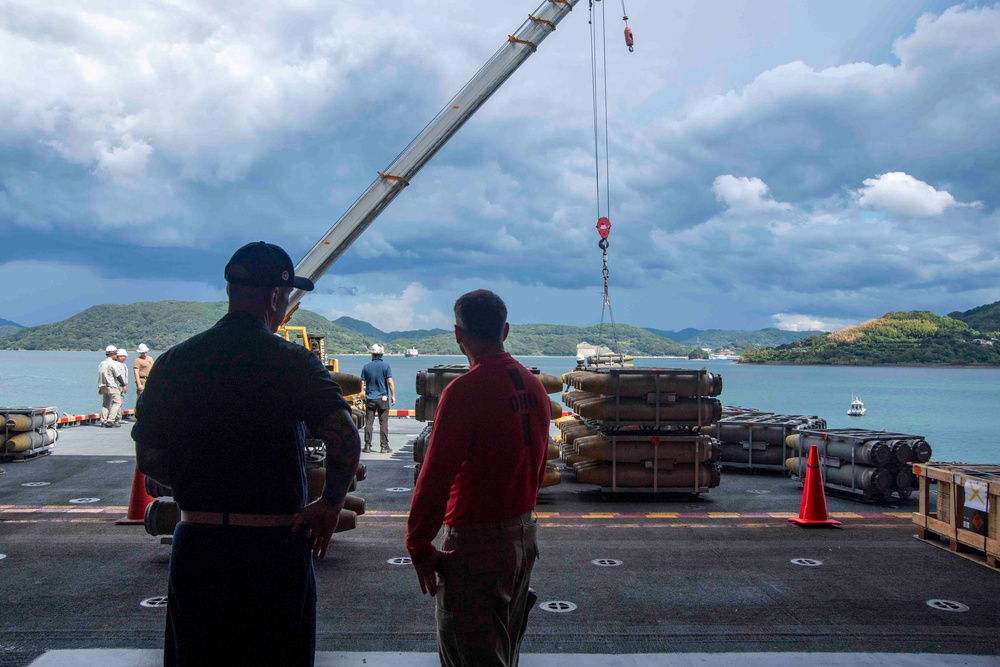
{"x": 233, "y": 519}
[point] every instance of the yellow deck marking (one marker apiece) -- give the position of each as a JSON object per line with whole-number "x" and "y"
{"x": 845, "y": 515}
{"x": 546, "y": 515}
{"x": 723, "y": 515}
{"x": 901, "y": 515}
{"x": 598, "y": 515}
{"x": 662, "y": 515}
{"x": 781, "y": 515}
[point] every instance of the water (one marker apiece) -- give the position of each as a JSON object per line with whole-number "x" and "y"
{"x": 956, "y": 409}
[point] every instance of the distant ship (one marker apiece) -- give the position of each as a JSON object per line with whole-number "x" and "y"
{"x": 857, "y": 408}
{"x": 412, "y": 352}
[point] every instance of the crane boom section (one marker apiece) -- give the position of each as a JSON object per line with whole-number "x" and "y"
{"x": 397, "y": 175}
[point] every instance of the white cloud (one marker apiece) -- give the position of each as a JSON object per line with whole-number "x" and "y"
{"x": 58, "y": 290}
{"x": 407, "y": 310}
{"x": 746, "y": 194}
{"x": 897, "y": 192}
{"x": 799, "y": 322}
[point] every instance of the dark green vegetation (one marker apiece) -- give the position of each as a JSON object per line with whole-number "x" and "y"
{"x": 915, "y": 337}
{"x": 7, "y": 327}
{"x": 373, "y": 333}
{"x": 734, "y": 339}
{"x": 985, "y": 319}
{"x": 161, "y": 324}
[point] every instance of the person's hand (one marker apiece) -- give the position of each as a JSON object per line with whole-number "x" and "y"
{"x": 427, "y": 570}
{"x": 321, "y": 521}
{"x": 392, "y": 400}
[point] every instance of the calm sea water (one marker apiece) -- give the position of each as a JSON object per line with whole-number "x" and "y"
{"x": 956, "y": 409}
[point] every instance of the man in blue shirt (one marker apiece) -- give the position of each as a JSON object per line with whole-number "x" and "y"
{"x": 380, "y": 393}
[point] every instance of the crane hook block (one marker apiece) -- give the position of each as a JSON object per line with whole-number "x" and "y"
{"x": 604, "y": 227}
{"x": 629, "y": 42}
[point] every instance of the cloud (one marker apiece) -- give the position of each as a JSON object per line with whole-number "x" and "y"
{"x": 746, "y": 194}
{"x": 799, "y": 322}
{"x": 901, "y": 193}
{"x": 403, "y": 311}
{"x": 58, "y": 290}
{"x": 749, "y": 157}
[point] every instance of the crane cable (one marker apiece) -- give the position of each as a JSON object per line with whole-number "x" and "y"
{"x": 599, "y": 82}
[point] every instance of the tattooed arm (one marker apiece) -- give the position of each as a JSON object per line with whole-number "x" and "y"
{"x": 343, "y": 452}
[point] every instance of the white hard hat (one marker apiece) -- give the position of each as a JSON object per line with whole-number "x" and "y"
{"x": 122, "y": 352}
{"x": 142, "y": 348}
{"x": 111, "y": 348}
{"x": 377, "y": 349}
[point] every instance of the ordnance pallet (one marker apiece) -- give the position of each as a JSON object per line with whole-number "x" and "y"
{"x": 946, "y": 522}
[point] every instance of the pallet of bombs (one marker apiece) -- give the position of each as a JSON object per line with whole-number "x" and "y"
{"x": 645, "y": 397}
{"x": 756, "y": 440}
{"x": 635, "y": 429}
{"x": 163, "y": 514}
{"x": 965, "y": 516}
{"x": 27, "y": 432}
{"x": 872, "y": 465}
{"x": 350, "y": 387}
{"x": 430, "y": 384}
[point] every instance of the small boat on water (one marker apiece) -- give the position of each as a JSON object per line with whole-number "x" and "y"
{"x": 412, "y": 352}
{"x": 857, "y": 408}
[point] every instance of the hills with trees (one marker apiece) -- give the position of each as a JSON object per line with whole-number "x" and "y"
{"x": 162, "y": 324}
{"x": 7, "y": 327}
{"x": 736, "y": 340}
{"x": 985, "y": 319}
{"x": 914, "y": 337}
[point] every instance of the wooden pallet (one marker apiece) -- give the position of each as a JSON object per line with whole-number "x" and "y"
{"x": 945, "y": 523}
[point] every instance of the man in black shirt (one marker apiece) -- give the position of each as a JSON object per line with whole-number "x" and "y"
{"x": 225, "y": 415}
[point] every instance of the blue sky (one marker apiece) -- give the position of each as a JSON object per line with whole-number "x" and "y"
{"x": 801, "y": 164}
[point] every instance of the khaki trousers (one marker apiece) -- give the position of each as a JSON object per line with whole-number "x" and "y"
{"x": 483, "y": 598}
{"x": 111, "y": 404}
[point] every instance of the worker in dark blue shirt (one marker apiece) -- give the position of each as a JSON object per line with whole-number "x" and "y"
{"x": 226, "y": 412}
{"x": 380, "y": 393}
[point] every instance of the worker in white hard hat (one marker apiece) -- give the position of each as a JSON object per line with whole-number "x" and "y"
{"x": 108, "y": 387}
{"x": 380, "y": 393}
{"x": 141, "y": 368}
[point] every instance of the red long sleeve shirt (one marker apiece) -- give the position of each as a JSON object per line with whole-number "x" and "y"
{"x": 486, "y": 458}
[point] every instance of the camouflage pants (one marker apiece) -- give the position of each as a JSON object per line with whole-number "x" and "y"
{"x": 483, "y": 597}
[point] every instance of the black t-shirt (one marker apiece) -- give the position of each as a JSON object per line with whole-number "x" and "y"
{"x": 231, "y": 405}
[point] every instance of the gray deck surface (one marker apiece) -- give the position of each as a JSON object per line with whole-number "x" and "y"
{"x": 702, "y": 578}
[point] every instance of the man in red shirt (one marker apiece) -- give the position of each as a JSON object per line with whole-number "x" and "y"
{"x": 484, "y": 465}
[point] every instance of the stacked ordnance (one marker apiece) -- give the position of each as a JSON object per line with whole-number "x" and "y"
{"x": 871, "y": 464}
{"x": 163, "y": 514}
{"x": 636, "y": 429}
{"x": 27, "y": 432}
{"x": 430, "y": 384}
{"x": 350, "y": 387}
{"x": 755, "y": 439}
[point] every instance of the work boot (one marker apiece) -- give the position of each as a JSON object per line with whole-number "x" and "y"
{"x": 385, "y": 450}
{"x": 367, "y": 450}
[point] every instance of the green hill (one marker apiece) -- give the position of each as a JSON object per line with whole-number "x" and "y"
{"x": 162, "y": 324}
{"x": 376, "y": 335}
{"x": 558, "y": 340}
{"x": 159, "y": 324}
{"x": 7, "y": 327}
{"x": 737, "y": 340}
{"x": 985, "y": 319}
{"x": 915, "y": 337}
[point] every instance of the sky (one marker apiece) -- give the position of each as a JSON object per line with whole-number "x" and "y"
{"x": 802, "y": 164}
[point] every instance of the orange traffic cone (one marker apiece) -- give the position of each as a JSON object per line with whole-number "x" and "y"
{"x": 812, "y": 511}
{"x": 137, "y": 502}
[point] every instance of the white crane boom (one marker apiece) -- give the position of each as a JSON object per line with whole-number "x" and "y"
{"x": 447, "y": 122}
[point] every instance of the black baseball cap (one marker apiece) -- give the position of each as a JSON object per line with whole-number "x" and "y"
{"x": 263, "y": 264}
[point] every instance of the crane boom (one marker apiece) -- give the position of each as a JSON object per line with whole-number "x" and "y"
{"x": 447, "y": 122}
